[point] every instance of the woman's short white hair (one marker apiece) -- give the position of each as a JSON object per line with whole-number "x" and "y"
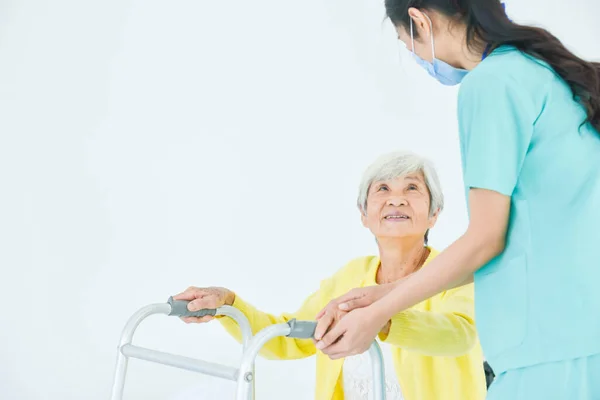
{"x": 400, "y": 163}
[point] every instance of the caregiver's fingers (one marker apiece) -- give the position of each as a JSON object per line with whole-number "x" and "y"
{"x": 355, "y": 303}
{"x": 323, "y": 324}
{"x": 331, "y": 337}
{"x": 355, "y": 298}
{"x": 331, "y": 306}
{"x": 322, "y": 312}
{"x": 337, "y": 356}
{"x": 337, "y": 349}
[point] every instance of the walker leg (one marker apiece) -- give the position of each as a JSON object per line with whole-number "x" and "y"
{"x": 119, "y": 382}
{"x": 245, "y": 383}
{"x": 126, "y": 337}
{"x": 378, "y": 371}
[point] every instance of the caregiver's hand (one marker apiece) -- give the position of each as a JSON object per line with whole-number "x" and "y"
{"x": 327, "y": 318}
{"x": 353, "y": 334}
{"x": 363, "y": 297}
{"x": 202, "y": 298}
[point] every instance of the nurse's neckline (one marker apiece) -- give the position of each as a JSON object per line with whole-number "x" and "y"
{"x": 492, "y": 51}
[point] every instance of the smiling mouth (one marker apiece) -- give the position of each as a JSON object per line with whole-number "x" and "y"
{"x": 396, "y": 217}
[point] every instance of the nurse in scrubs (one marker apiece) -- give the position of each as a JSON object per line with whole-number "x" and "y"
{"x": 529, "y": 126}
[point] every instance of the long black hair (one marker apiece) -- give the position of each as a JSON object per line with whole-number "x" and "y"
{"x": 488, "y": 26}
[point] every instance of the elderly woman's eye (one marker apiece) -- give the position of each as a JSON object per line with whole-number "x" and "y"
{"x": 413, "y": 187}
{"x": 382, "y": 187}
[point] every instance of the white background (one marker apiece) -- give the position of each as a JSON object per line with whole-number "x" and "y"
{"x": 146, "y": 146}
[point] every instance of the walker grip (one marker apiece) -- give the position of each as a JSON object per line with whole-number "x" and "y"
{"x": 302, "y": 329}
{"x": 179, "y": 309}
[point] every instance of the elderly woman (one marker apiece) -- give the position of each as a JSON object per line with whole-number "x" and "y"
{"x": 431, "y": 350}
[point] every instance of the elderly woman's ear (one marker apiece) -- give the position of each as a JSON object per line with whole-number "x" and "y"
{"x": 363, "y": 216}
{"x": 433, "y": 218}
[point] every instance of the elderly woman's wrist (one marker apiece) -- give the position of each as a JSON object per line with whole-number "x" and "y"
{"x": 229, "y": 298}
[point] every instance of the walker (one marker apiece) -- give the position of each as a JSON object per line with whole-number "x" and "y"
{"x": 244, "y": 375}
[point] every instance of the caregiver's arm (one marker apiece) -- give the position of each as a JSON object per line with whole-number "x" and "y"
{"x": 446, "y": 329}
{"x": 484, "y": 239}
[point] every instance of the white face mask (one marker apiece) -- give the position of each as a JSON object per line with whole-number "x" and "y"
{"x": 445, "y": 73}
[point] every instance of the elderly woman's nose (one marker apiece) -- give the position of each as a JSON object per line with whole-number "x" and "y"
{"x": 397, "y": 201}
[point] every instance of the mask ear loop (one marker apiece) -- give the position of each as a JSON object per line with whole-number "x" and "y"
{"x": 412, "y": 37}
{"x": 432, "y": 41}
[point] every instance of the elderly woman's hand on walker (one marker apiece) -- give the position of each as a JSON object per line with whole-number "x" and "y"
{"x": 205, "y": 298}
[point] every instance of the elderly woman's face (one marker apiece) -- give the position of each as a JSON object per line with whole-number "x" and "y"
{"x": 399, "y": 207}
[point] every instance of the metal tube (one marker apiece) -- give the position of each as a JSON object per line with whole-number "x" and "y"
{"x": 119, "y": 381}
{"x": 189, "y": 364}
{"x": 241, "y": 320}
{"x": 150, "y": 355}
{"x": 246, "y": 330}
{"x": 378, "y": 371}
{"x": 126, "y": 336}
{"x": 246, "y": 371}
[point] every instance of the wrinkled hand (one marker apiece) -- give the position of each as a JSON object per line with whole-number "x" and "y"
{"x": 353, "y": 334}
{"x": 203, "y": 298}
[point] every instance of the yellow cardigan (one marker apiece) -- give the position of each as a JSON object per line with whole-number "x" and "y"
{"x": 436, "y": 351}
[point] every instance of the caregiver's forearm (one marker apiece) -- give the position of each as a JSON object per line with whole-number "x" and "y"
{"x": 451, "y": 268}
{"x": 465, "y": 282}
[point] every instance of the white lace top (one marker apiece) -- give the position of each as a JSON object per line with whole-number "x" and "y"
{"x": 358, "y": 379}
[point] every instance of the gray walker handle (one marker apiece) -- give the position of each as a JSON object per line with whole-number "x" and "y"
{"x": 244, "y": 375}
{"x": 179, "y": 309}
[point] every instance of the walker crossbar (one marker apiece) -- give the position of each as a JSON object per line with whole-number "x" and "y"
{"x": 244, "y": 376}
{"x": 190, "y": 364}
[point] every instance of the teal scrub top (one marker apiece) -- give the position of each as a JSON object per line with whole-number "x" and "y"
{"x": 521, "y": 135}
